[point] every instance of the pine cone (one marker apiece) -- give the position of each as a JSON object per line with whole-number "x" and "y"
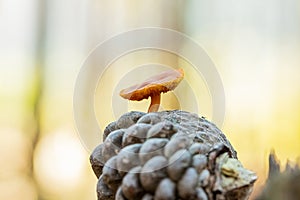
{"x": 168, "y": 155}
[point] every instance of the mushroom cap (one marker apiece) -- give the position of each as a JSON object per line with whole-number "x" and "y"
{"x": 163, "y": 82}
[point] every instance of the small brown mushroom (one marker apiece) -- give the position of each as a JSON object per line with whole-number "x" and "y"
{"x": 163, "y": 82}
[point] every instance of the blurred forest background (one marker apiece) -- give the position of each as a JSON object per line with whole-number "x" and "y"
{"x": 255, "y": 45}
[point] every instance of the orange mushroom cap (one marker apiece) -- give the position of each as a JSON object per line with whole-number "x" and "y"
{"x": 163, "y": 82}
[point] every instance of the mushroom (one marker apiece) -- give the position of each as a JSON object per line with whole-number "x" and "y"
{"x": 163, "y": 82}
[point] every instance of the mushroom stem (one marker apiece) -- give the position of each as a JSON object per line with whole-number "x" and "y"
{"x": 155, "y": 101}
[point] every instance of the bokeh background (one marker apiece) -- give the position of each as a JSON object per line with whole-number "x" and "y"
{"x": 255, "y": 45}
